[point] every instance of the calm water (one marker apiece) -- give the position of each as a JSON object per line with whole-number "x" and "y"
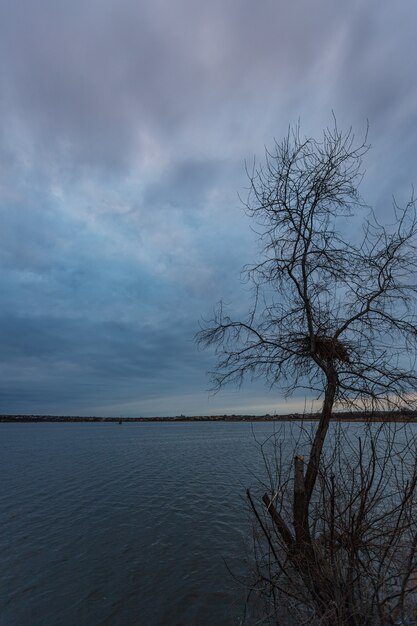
{"x": 124, "y": 525}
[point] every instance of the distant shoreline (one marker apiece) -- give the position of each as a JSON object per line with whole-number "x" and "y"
{"x": 339, "y": 417}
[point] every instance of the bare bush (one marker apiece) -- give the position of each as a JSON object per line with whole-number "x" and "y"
{"x": 358, "y": 563}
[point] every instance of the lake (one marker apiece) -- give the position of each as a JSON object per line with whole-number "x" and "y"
{"x": 124, "y": 525}
{"x": 140, "y": 524}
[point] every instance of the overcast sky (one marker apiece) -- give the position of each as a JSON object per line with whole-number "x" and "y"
{"x": 124, "y": 127}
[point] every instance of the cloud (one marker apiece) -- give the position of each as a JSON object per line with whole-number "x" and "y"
{"x": 124, "y": 127}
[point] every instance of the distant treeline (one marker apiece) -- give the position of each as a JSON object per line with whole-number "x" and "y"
{"x": 359, "y": 416}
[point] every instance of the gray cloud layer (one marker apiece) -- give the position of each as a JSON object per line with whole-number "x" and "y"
{"x": 123, "y": 131}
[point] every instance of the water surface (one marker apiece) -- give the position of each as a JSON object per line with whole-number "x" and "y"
{"x": 124, "y": 525}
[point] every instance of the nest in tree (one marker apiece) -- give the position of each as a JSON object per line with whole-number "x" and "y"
{"x": 326, "y": 348}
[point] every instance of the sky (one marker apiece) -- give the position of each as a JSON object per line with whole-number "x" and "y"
{"x": 124, "y": 130}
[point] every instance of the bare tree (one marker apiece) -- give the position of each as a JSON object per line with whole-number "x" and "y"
{"x": 331, "y": 313}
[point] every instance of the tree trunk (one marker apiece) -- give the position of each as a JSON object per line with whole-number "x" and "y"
{"x": 320, "y": 436}
{"x": 316, "y": 577}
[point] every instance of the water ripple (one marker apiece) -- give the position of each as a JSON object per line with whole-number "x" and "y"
{"x": 123, "y": 526}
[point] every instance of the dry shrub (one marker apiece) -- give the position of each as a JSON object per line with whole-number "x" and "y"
{"x": 357, "y": 565}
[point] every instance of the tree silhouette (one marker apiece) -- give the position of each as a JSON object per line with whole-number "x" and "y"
{"x": 331, "y": 313}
